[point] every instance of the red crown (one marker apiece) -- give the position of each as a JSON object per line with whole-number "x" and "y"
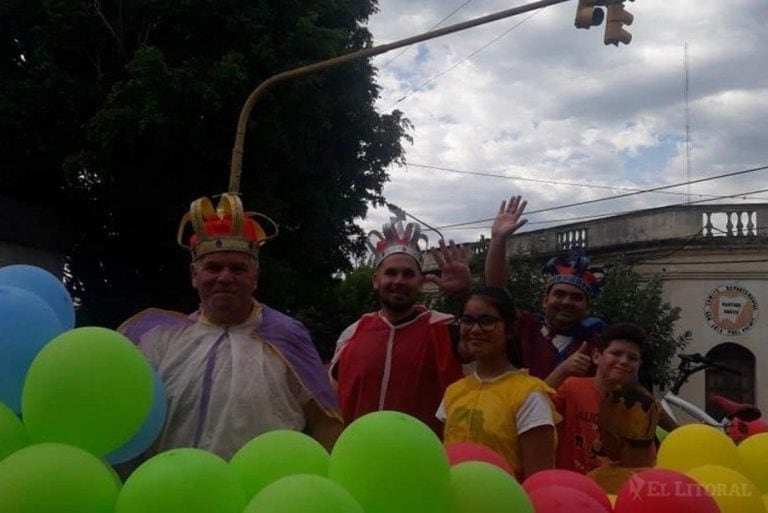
{"x": 225, "y": 228}
{"x": 395, "y": 240}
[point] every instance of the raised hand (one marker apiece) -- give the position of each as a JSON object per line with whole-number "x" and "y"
{"x": 455, "y": 276}
{"x": 508, "y": 219}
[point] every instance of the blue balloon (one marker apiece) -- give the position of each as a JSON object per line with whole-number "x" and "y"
{"x": 27, "y": 323}
{"x": 42, "y": 283}
{"x": 149, "y": 431}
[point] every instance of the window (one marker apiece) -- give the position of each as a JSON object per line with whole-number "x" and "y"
{"x": 738, "y": 388}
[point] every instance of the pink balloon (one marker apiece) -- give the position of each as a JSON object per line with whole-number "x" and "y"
{"x": 562, "y": 499}
{"x": 466, "y": 451}
{"x": 568, "y": 479}
{"x": 663, "y": 491}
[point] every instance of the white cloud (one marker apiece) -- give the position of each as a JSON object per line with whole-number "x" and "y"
{"x": 549, "y": 102}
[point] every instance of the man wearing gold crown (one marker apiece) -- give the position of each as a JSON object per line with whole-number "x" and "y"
{"x": 403, "y": 356}
{"x": 235, "y": 368}
{"x": 558, "y": 342}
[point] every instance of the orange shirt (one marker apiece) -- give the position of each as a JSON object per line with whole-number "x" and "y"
{"x": 578, "y": 401}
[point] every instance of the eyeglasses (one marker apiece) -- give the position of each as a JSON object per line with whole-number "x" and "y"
{"x": 486, "y": 322}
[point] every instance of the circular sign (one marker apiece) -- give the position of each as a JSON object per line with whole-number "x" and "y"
{"x": 731, "y": 310}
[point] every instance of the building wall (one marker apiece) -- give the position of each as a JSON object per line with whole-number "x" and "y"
{"x": 721, "y": 294}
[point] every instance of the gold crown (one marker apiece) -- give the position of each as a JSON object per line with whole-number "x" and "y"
{"x": 629, "y": 412}
{"x": 225, "y": 228}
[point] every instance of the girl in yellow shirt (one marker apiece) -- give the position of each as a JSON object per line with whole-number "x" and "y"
{"x": 499, "y": 406}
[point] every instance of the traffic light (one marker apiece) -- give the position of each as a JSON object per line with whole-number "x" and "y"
{"x": 587, "y": 15}
{"x": 617, "y": 17}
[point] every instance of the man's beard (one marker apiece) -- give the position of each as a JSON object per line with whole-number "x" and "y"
{"x": 399, "y": 305}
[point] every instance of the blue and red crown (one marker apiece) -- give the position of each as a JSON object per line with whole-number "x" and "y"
{"x": 575, "y": 271}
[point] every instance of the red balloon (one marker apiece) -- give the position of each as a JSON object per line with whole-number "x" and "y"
{"x": 563, "y": 499}
{"x": 663, "y": 491}
{"x": 466, "y": 451}
{"x": 568, "y": 479}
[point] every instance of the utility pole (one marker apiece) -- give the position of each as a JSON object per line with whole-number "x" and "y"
{"x": 235, "y": 171}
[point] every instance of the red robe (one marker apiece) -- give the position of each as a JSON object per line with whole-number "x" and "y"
{"x": 403, "y": 368}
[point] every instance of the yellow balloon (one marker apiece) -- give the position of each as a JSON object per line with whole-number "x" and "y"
{"x": 733, "y": 492}
{"x": 694, "y": 445}
{"x": 754, "y": 457}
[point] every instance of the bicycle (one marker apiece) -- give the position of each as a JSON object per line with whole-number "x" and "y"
{"x": 740, "y": 421}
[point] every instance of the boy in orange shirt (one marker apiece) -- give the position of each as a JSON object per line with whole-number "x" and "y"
{"x": 617, "y": 360}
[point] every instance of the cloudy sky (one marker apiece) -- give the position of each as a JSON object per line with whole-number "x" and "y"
{"x": 532, "y": 99}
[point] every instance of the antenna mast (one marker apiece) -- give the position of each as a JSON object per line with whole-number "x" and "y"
{"x": 687, "y": 133}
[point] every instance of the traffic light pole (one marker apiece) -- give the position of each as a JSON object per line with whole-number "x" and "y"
{"x": 235, "y": 172}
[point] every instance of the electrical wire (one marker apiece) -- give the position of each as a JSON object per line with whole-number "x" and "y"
{"x": 560, "y": 182}
{"x": 634, "y": 193}
{"x": 452, "y": 67}
{"x": 433, "y": 27}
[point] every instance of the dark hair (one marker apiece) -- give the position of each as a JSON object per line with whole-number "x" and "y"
{"x": 622, "y": 331}
{"x": 502, "y": 301}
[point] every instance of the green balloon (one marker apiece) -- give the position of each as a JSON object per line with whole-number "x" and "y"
{"x": 12, "y": 434}
{"x": 48, "y": 478}
{"x": 88, "y": 387}
{"x": 182, "y": 481}
{"x": 277, "y": 454}
{"x": 478, "y": 487}
{"x": 392, "y": 463}
{"x": 303, "y": 493}
{"x": 661, "y": 433}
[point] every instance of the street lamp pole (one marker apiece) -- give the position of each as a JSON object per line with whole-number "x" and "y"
{"x": 237, "y": 152}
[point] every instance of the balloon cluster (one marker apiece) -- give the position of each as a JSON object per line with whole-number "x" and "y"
{"x": 88, "y": 399}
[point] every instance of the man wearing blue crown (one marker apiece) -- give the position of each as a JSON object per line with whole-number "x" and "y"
{"x": 403, "y": 356}
{"x": 558, "y": 342}
{"x": 235, "y": 368}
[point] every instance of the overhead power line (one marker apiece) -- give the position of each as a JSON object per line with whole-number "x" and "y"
{"x": 634, "y": 193}
{"x": 433, "y": 27}
{"x": 459, "y": 63}
{"x": 561, "y": 182}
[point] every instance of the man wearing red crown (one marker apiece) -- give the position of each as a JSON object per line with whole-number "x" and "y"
{"x": 235, "y": 368}
{"x": 403, "y": 356}
{"x": 558, "y": 342}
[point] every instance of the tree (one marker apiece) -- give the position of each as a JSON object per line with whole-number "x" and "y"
{"x": 343, "y": 304}
{"x": 121, "y": 113}
{"x": 629, "y": 297}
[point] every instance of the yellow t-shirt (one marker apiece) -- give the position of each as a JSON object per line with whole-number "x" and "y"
{"x": 487, "y": 412}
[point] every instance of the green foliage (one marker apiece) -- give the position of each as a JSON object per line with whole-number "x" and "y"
{"x": 629, "y": 297}
{"x": 343, "y": 304}
{"x": 122, "y": 113}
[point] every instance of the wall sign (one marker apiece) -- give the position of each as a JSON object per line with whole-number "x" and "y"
{"x": 731, "y": 310}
